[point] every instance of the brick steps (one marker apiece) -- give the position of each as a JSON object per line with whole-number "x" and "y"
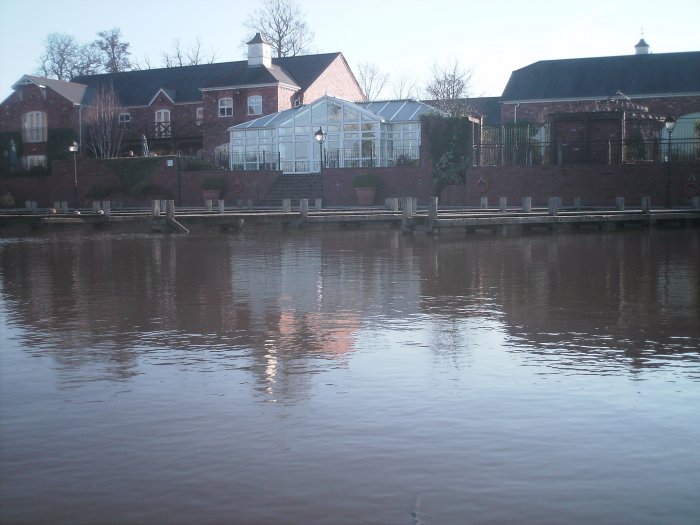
{"x": 294, "y": 187}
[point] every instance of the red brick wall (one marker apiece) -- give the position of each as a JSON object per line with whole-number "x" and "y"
{"x": 595, "y": 185}
{"x": 59, "y": 185}
{"x": 406, "y": 181}
{"x": 337, "y": 81}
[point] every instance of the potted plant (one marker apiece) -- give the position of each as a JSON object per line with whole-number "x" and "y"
{"x": 212, "y": 188}
{"x": 365, "y": 188}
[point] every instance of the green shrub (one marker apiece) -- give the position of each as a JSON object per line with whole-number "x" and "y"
{"x": 365, "y": 180}
{"x": 213, "y": 183}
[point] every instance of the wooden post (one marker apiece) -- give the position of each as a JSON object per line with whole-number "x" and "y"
{"x": 209, "y": 205}
{"x": 484, "y": 202}
{"x": 620, "y": 203}
{"x": 646, "y": 204}
{"x": 432, "y": 213}
{"x": 553, "y": 205}
{"x": 503, "y": 204}
{"x": 95, "y": 206}
{"x": 304, "y": 207}
{"x": 170, "y": 209}
{"x": 64, "y": 206}
{"x": 155, "y": 208}
{"x": 318, "y": 204}
{"x": 527, "y": 204}
{"x": 407, "y": 207}
{"x": 107, "y": 208}
{"x": 163, "y": 205}
{"x": 392, "y": 203}
{"x": 222, "y": 206}
{"x": 286, "y": 205}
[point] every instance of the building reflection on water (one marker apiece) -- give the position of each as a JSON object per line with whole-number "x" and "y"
{"x": 282, "y": 306}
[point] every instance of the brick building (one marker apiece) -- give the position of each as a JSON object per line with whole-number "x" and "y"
{"x": 183, "y": 109}
{"x": 607, "y": 109}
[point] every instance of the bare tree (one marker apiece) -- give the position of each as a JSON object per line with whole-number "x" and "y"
{"x": 372, "y": 81}
{"x": 64, "y": 58}
{"x": 404, "y": 87}
{"x": 179, "y": 56}
{"x": 282, "y": 24}
{"x": 115, "y": 51}
{"x": 101, "y": 123}
{"x": 447, "y": 85}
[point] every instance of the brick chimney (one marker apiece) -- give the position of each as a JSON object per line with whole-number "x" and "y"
{"x": 259, "y": 53}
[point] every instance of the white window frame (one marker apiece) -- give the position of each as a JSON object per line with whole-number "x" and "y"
{"x": 125, "y": 119}
{"x": 199, "y": 116}
{"x": 226, "y": 107}
{"x": 34, "y": 126}
{"x": 32, "y": 161}
{"x": 160, "y": 118}
{"x": 255, "y": 105}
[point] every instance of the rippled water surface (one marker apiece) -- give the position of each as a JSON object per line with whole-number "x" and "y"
{"x": 350, "y": 377}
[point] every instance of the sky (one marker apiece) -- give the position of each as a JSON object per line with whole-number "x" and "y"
{"x": 403, "y": 38}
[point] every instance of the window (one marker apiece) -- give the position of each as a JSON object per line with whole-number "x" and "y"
{"x": 125, "y": 120}
{"x": 255, "y": 105}
{"x": 200, "y": 116}
{"x": 33, "y": 161}
{"x": 163, "y": 126}
{"x": 34, "y": 126}
{"x": 225, "y": 107}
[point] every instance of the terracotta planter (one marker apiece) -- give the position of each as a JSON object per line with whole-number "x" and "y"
{"x": 365, "y": 196}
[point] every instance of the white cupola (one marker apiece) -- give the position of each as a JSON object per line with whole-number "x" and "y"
{"x": 642, "y": 48}
{"x": 259, "y": 52}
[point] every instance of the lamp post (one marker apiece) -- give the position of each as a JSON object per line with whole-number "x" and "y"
{"x": 73, "y": 148}
{"x": 670, "y": 124}
{"x": 320, "y": 136}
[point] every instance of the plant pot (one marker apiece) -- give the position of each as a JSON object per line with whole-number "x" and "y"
{"x": 365, "y": 196}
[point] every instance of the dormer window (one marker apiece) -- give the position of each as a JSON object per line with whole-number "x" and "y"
{"x": 255, "y": 105}
{"x": 225, "y": 107}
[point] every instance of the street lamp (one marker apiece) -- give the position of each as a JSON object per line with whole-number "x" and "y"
{"x": 73, "y": 148}
{"x": 670, "y": 124}
{"x": 320, "y": 136}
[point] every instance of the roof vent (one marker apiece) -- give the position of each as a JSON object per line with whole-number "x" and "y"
{"x": 642, "y": 48}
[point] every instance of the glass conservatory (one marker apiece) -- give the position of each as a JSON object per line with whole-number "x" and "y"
{"x": 369, "y": 134}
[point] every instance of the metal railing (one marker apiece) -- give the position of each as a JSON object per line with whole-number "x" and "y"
{"x": 333, "y": 158}
{"x": 535, "y": 153}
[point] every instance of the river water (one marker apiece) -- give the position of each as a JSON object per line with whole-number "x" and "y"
{"x": 350, "y": 377}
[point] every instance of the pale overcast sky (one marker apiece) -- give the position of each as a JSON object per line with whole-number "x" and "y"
{"x": 402, "y": 37}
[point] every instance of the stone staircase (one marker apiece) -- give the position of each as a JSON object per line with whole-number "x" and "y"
{"x": 294, "y": 187}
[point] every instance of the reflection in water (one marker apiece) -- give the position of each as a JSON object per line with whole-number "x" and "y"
{"x": 350, "y": 377}
{"x": 588, "y": 300}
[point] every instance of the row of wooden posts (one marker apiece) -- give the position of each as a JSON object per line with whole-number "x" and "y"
{"x": 408, "y": 205}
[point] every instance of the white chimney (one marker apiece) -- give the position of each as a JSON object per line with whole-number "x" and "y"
{"x": 259, "y": 53}
{"x": 642, "y": 48}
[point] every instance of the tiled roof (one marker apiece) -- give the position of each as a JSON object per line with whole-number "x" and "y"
{"x": 137, "y": 88}
{"x": 72, "y": 91}
{"x": 591, "y": 78}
